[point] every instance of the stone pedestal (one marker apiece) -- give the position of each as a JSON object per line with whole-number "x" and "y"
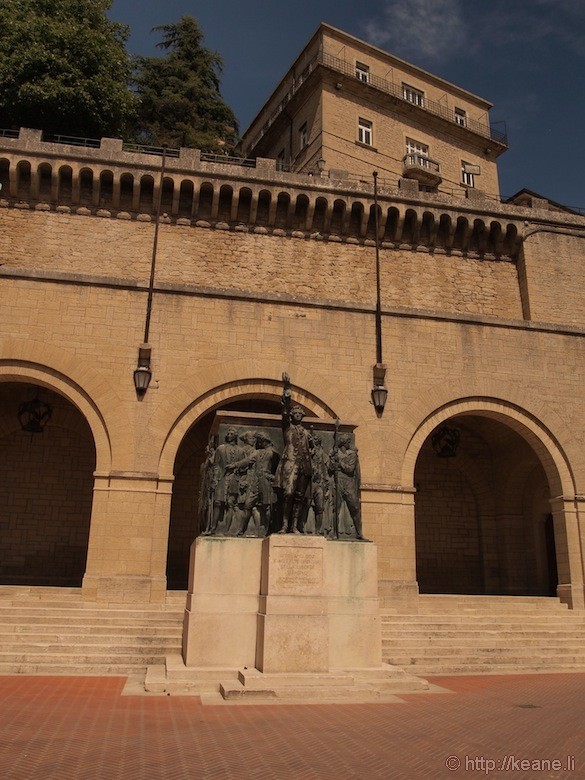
{"x": 221, "y": 615}
{"x": 293, "y": 631}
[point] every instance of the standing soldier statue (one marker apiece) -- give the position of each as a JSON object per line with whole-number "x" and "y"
{"x": 320, "y": 482}
{"x": 225, "y": 484}
{"x": 293, "y": 475}
{"x": 345, "y": 466}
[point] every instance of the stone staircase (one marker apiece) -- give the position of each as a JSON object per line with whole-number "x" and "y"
{"x": 53, "y": 631}
{"x": 485, "y": 635}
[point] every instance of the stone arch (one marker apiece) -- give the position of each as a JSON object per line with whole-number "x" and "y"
{"x": 146, "y": 198}
{"x": 244, "y": 205}
{"x": 300, "y": 213}
{"x": 205, "y": 200}
{"x": 498, "y": 548}
{"x": 186, "y": 193}
{"x": 226, "y": 194}
{"x": 338, "y": 216}
{"x": 126, "y": 191}
{"x": 65, "y": 184}
{"x": 86, "y": 187}
{"x": 5, "y": 176}
{"x": 106, "y": 196}
{"x": 45, "y": 181}
{"x": 23, "y": 179}
{"x": 263, "y": 207}
{"x": 168, "y": 189}
{"x": 392, "y": 220}
{"x": 282, "y": 210}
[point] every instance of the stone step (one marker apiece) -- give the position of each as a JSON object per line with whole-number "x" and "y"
{"x": 570, "y": 619}
{"x": 80, "y": 610}
{"x": 412, "y": 663}
{"x": 148, "y": 646}
{"x": 19, "y": 618}
{"x": 82, "y": 660}
{"x": 493, "y": 603}
{"x": 29, "y": 632}
{"x": 70, "y": 668}
{"x": 468, "y": 640}
{"x": 448, "y": 670}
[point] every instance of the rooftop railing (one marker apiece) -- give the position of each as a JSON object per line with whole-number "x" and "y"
{"x": 389, "y": 88}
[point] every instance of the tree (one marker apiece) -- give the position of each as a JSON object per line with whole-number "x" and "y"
{"x": 64, "y": 68}
{"x": 180, "y": 101}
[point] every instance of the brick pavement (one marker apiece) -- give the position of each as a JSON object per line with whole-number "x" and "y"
{"x": 82, "y": 727}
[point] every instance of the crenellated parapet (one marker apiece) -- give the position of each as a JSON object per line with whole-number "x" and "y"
{"x": 112, "y": 179}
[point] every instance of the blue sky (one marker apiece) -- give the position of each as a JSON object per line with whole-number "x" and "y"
{"x": 525, "y": 56}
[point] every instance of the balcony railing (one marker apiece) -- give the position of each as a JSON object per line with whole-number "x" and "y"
{"x": 419, "y": 166}
{"x": 389, "y": 88}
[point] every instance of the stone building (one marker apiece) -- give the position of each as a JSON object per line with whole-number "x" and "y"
{"x": 265, "y": 264}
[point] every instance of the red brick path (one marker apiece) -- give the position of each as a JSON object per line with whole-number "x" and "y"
{"x": 81, "y": 728}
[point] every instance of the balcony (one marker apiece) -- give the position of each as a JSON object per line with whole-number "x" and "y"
{"x": 422, "y": 168}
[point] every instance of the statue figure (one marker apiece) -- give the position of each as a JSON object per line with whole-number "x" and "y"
{"x": 320, "y": 463}
{"x": 224, "y": 483}
{"x": 205, "y": 489}
{"x": 247, "y": 487}
{"x": 293, "y": 475}
{"x": 259, "y": 467}
{"x": 344, "y": 464}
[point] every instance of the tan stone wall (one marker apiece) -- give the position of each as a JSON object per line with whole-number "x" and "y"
{"x": 553, "y": 272}
{"x": 47, "y": 242}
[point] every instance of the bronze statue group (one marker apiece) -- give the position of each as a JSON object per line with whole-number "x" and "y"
{"x": 244, "y": 480}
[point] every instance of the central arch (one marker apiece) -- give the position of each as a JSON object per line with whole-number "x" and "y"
{"x": 257, "y": 396}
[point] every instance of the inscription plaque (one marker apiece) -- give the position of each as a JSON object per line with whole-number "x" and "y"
{"x": 297, "y": 570}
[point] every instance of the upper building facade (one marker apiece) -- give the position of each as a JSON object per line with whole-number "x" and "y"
{"x": 349, "y": 108}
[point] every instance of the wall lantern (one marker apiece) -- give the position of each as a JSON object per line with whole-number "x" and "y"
{"x": 142, "y": 373}
{"x": 34, "y": 415}
{"x": 445, "y": 441}
{"x": 379, "y": 390}
{"x": 321, "y": 166}
{"x": 379, "y": 396}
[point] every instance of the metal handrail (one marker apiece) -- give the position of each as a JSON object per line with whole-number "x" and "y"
{"x": 70, "y": 140}
{"x": 388, "y": 87}
{"x": 223, "y": 159}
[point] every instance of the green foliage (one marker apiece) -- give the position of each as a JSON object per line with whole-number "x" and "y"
{"x": 64, "y": 68}
{"x": 180, "y": 101}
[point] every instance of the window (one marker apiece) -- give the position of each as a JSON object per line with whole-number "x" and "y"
{"x": 468, "y": 172}
{"x": 365, "y": 134}
{"x": 280, "y": 161}
{"x": 414, "y": 96}
{"x": 303, "y": 136}
{"x": 461, "y": 117}
{"x": 417, "y": 152}
{"x": 362, "y": 72}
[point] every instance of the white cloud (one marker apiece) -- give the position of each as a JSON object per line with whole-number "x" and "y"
{"x": 434, "y": 30}
{"x": 427, "y": 28}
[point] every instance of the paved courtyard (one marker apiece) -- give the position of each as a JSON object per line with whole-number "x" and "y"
{"x": 492, "y": 726}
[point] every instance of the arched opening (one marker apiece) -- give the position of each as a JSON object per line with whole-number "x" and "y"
{"x": 262, "y": 214}
{"x": 355, "y": 219}
{"x": 186, "y": 198}
{"x": 282, "y": 208}
{"x": 5, "y": 177}
{"x": 391, "y": 228}
{"x": 126, "y": 191}
{"x": 106, "y": 189}
{"x": 320, "y": 215}
{"x": 146, "y": 200}
{"x": 244, "y": 205}
{"x": 371, "y": 228}
{"x": 86, "y": 187}
{"x": 184, "y": 522}
{"x": 168, "y": 188}
{"x": 46, "y": 489}
{"x": 65, "y": 191}
{"x": 23, "y": 179}
{"x": 300, "y": 215}
{"x": 337, "y": 217}
{"x": 483, "y": 511}
{"x": 226, "y": 194}
{"x": 205, "y": 201}
{"x": 45, "y": 174}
